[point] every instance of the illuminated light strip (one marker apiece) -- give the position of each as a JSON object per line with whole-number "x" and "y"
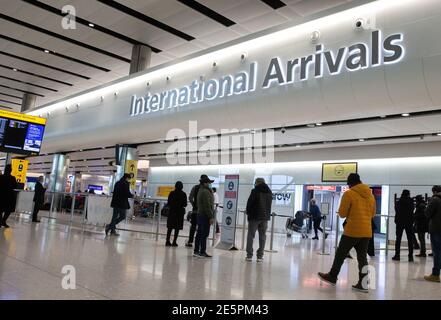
{"x": 209, "y": 57}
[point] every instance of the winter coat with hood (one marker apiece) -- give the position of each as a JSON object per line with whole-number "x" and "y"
{"x": 259, "y": 203}
{"x": 358, "y": 207}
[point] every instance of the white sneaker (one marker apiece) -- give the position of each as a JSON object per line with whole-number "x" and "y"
{"x": 259, "y": 260}
{"x": 248, "y": 259}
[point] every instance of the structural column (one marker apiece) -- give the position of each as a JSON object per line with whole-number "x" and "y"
{"x": 141, "y": 57}
{"x": 125, "y": 153}
{"x": 57, "y": 179}
{"x": 29, "y": 102}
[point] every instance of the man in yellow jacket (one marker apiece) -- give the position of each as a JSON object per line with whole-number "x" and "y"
{"x": 358, "y": 207}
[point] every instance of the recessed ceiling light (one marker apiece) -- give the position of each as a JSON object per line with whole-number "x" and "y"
{"x": 91, "y": 25}
{"x": 15, "y": 69}
{"x": 298, "y": 146}
{"x": 361, "y": 140}
{"x": 318, "y": 124}
{"x": 46, "y": 51}
{"x": 405, "y": 114}
{"x": 438, "y": 134}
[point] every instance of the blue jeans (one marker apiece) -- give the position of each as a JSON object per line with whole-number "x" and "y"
{"x": 435, "y": 239}
{"x": 118, "y": 216}
{"x": 200, "y": 245}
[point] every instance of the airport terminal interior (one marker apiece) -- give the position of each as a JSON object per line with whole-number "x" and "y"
{"x": 106, "y": 103}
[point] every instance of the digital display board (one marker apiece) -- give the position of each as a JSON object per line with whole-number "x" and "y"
{"x": 21, "y": 133}
{"x": 338, "y": 172}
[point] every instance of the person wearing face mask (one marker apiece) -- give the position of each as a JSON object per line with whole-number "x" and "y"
{"x": 259, "y": 213}
{"x": 120, "y": 203}
{"x": 205, "y": 217}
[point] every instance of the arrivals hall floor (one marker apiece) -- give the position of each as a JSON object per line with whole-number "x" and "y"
{"x": 135, "y": 266}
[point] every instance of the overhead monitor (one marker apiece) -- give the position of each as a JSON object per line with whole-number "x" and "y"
{"x": 21, "y": 133}
{"x": 338, "y": 172}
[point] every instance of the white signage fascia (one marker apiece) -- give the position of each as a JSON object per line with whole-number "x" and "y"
{"x": 351, "y": 58}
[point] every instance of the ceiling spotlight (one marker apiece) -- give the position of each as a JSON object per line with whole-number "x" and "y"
{"x": 46, "y": 51}
{"x": 318, "y": 124}
{"x": 15, "y": 69}
{"x": 115, "y": 93}
{"x": 361, "y": 140}
{"x": 214, "y": 64}
{"x": 91, "y": 25}
{"x": 283, "y": 130}
{"x": 405, "y": 114}
{"x": 168, "y": 78}
{"x": 148, "y": 83}
{"x": 438, "y": 134}
{"x": 298, "y": 145}
{"x": 243, "y": 56}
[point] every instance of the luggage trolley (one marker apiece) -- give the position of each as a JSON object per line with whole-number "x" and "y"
{"x": 297, "y": 224}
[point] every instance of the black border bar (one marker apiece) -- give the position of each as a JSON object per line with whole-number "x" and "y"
{"x": 136, "y": 14}
{"x": 199, "y": 7}
{"x": 275, "y": 4}
{"x": 53, "y": 53}
{"x": 35, "y": 75}
{"x": 86, "y": 23}
{"x": 64, "y": 38}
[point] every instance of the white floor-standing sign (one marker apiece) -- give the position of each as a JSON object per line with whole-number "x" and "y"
{"x": 229, "y": 213}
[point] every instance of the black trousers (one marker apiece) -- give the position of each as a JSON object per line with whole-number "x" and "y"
{"x": 169, "y": 231}
{"x": 317, "y": 226}
{"x": 422, "y": 239}
{"x": 37, "y": 206}
{"x": 371, "y": 246}
{"x": 344, "y": 246}
{"x": 194, "y": 223}
{"x": 4, "y": 215}
{"x": 410, "y": 238}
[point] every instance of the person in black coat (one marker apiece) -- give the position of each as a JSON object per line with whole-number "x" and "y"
{"x": 120, "y": 203}
{"x": 38, "y": 198}
{"x": 258, "y": 211}
{"x": 421, "y": 224}
{"x": 404, "y": 222}
{"x": 177, "y": 201}
{"x": 8, "y": 195}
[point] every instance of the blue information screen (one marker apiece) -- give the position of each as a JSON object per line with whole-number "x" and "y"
{"x": 34, "y": 137}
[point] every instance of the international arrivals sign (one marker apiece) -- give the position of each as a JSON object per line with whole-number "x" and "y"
{"x": 381, "y": 50}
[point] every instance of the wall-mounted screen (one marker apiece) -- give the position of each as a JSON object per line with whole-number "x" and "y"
{"x": 21, "y": 133}
{"x": 338, "y": 172}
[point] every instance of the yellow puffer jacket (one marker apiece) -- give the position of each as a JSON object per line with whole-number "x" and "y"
{"x": 358, "y": 207}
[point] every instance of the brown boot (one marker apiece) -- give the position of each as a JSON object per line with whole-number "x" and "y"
{"x": 432, "y": 278}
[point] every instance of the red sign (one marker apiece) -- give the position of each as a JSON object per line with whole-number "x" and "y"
{"x": 230, "y": 194}
{"x": 322, "y": 188}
